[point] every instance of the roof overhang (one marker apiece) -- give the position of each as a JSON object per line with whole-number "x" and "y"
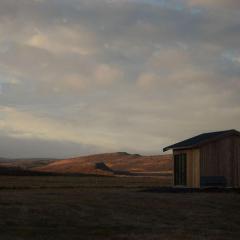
{"x": 173, "y": 147}
{"x": 179, "y": 148}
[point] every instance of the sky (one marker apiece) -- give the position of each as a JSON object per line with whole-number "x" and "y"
{"x": 90, "y": 76}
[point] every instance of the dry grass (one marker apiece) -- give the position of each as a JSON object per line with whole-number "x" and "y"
{"x": 112, "y": 208}
{"x": 115, "y": 161}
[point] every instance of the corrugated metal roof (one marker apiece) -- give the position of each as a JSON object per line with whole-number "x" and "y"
{"x": 199, "y": 139}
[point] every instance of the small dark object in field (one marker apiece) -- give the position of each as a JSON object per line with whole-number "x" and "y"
{"x": 103, "y": 166}
{"x": 191, "y": 190}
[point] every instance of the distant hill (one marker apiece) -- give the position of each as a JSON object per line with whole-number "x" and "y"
{"x": 25, "y": 164}
{"x": 119, "y": 163}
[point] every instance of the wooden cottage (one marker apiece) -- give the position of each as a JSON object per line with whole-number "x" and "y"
{"x": 209, "y": 159}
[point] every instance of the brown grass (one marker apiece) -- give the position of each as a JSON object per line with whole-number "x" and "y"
{"x": 115, "y": 161}
{"x": 112, "y": 208}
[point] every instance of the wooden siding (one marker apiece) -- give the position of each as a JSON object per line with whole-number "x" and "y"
{"x": 222, "y": 158}
{"x": 193, "y": 166}
{"x": 236, "y": 164}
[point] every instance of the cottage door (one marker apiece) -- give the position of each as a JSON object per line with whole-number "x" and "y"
{"x": 180, "y": 169}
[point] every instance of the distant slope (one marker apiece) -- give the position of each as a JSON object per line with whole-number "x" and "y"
{"x": 24, "y": 163}
{"x": 110, "y": 164}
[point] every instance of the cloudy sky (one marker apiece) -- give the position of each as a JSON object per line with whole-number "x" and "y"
{"x": 85, "y": 76}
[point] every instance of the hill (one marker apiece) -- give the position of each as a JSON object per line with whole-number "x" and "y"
{"x": 24, "y": 164}
{"x": 119, "y": 163}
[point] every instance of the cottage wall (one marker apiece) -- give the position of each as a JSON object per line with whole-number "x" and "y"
{"x": 222, "y": 158}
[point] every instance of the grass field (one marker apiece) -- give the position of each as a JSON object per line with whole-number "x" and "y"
{"x": 112, "y": 208}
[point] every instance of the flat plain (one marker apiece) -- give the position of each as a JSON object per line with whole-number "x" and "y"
{"x": 64, "y": 207}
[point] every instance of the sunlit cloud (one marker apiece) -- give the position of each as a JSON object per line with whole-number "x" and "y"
{"x": 64, "y": 41}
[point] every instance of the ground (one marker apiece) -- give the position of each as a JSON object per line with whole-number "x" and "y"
{"x": 112, "y": 208}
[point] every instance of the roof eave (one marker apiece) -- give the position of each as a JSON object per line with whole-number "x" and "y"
{"x": 179, "y": 148}
{"x": 230, "y": 132}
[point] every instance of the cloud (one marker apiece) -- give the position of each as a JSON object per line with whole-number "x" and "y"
{"x": 231, "y": 4}
{"x": 147, "y": 80}
{"x": 64, "y": 41}
{"x": 41, "y": 128}
{"x": 36, "y": 127}
{"x": 117, "y": 75}
{"x": 172, "y": 58}
{"x": 102, "y": 75}
{"x": 39, "y": 148}
{"x": 105, "y": 74}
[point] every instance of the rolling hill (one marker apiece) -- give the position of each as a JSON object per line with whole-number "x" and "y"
{"x": 119, "y": 163}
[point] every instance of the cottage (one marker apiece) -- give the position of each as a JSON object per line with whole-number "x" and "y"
{"x": 209, "y": 159}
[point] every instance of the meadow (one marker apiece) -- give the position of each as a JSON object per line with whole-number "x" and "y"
{"x": 67, "y": 207}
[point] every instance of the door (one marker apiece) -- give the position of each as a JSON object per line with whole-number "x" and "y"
{"x": 180, "y": 169}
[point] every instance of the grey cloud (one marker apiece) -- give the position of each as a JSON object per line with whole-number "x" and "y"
{"x": 145, "y": 73}
{"x": 215, "y": 4}
{"x": 34, "y": 148}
